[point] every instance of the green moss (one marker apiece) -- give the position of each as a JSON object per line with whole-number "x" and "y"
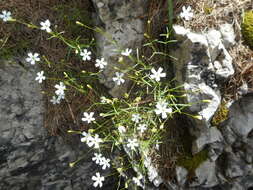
{"x": 220, "y": 115}
{"x": 186, "y": 159}
{"x": 191, "y": 163}
{"x": 247, "y": 28}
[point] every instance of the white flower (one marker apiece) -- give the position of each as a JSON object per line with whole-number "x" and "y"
{"x": 142, "y": 127}
{"x": 122, "y": 129}
{"x": 101, "y": 63}
{"x": 126, "y": 52}
{"x": 94, "y": 141}
{"x": 60, "y": 89}
{"x": 46, "y": 26}
{"x": 132, "y": 143}
{"x": 137, "y": 180}
{"x": 157, "y": 75}
{"x": 103, "y": 100}
{"x": 32, "y": 58}
{"x": 186, "y": 13}
{"x": 55, "y": 100}
{"x": 5, "y": 16}
{"x": 98, "y": 180}
{"x": 40, "y": 76}
{"x": 88, "y": 117}
{"x": 136, "y": 118}
{"x": 119, "y": 78}
{"x": 61, "y": 96}
{"x": 85, "y": 54}
{"x": 97, "y": 158}
{"x": 161, "y": 108}
{"x": 105, "y": 163}
{"x": 86, "y": 137}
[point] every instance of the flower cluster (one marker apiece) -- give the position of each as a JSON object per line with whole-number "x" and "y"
{"x": 91, "y": 141}
{"x": 94, "y": 141}
{"x": 101, "y": 161}
{"x": 133, "y": 140}
{"x": 60, "y": 92}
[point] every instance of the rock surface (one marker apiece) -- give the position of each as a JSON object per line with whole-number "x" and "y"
{"x": 202, "y": 63}
{"x": 123, "y": 29}
{"x": 231, "y": 158}
{"x": 210, "y": 136}
{"x": 30, "y": 158}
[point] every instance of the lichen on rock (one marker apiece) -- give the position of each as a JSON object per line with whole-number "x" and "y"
{"x": 247, "y": 28}
{"x": 220, "y": 115}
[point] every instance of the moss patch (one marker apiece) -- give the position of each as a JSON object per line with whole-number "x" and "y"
{"x": 220, "y": 115}
{"x": 191, "y": 163}
{"x": 247, "y": 28}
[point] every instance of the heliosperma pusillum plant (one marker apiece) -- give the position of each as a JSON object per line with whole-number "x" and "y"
{"x": 135, "y": 122}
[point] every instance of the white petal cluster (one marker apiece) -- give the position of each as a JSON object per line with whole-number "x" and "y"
{"x": 98, "y": 180}
{"x": 157, "y": 75}
{"x": 136, "y": 117}
{"x": 40, "y": 76}
{"x": 121, "y": 129}
{"x": 100, "y": 63}
{"x": 142, "y": 128}
{"x": 161, "y": 109}
{"x": 5, "y": 16}
{"x": 126, "y": 52}
{"x": 32, "y": 58}
{"x": 186, "y": 13}
{"x": 60, "y": 93}
{"x": 88, "y": 117}
{"x": 60, "y": 89}
{"x": 97, "y": 158}
{"x": 46, "y": 26}
{"x": 137, "y": 180}
{"x": 94, "y": 141}
{"x": 101, "y": 161}
{"x": 91, "y": 141}
{"x": 85, "y": 54}
{"x": 55, "y": 100}
{"x": 132, "y": 144}
{"x": 105, "y": 163}
{"x": 118, "y": 79}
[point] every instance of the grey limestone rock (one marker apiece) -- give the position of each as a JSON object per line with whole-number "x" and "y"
{"x": 241, "y": 116}
{"x": 206, "y": 175}
{"x": 30, "y": 158}
{"x": 208, "y": 137}
{"x": 181, "y": 174}
{"x": 202, "y": 62}
{"x": 123, "y": 29}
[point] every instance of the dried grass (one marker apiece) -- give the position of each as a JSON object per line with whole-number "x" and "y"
{"x": 58, "y": 118}
{"x": 211, "y": 14}
{"x": 243, "y": 63}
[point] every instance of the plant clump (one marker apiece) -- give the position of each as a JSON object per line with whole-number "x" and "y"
{"x": 135, "y": 124}
{"x": 247, "y": 28}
